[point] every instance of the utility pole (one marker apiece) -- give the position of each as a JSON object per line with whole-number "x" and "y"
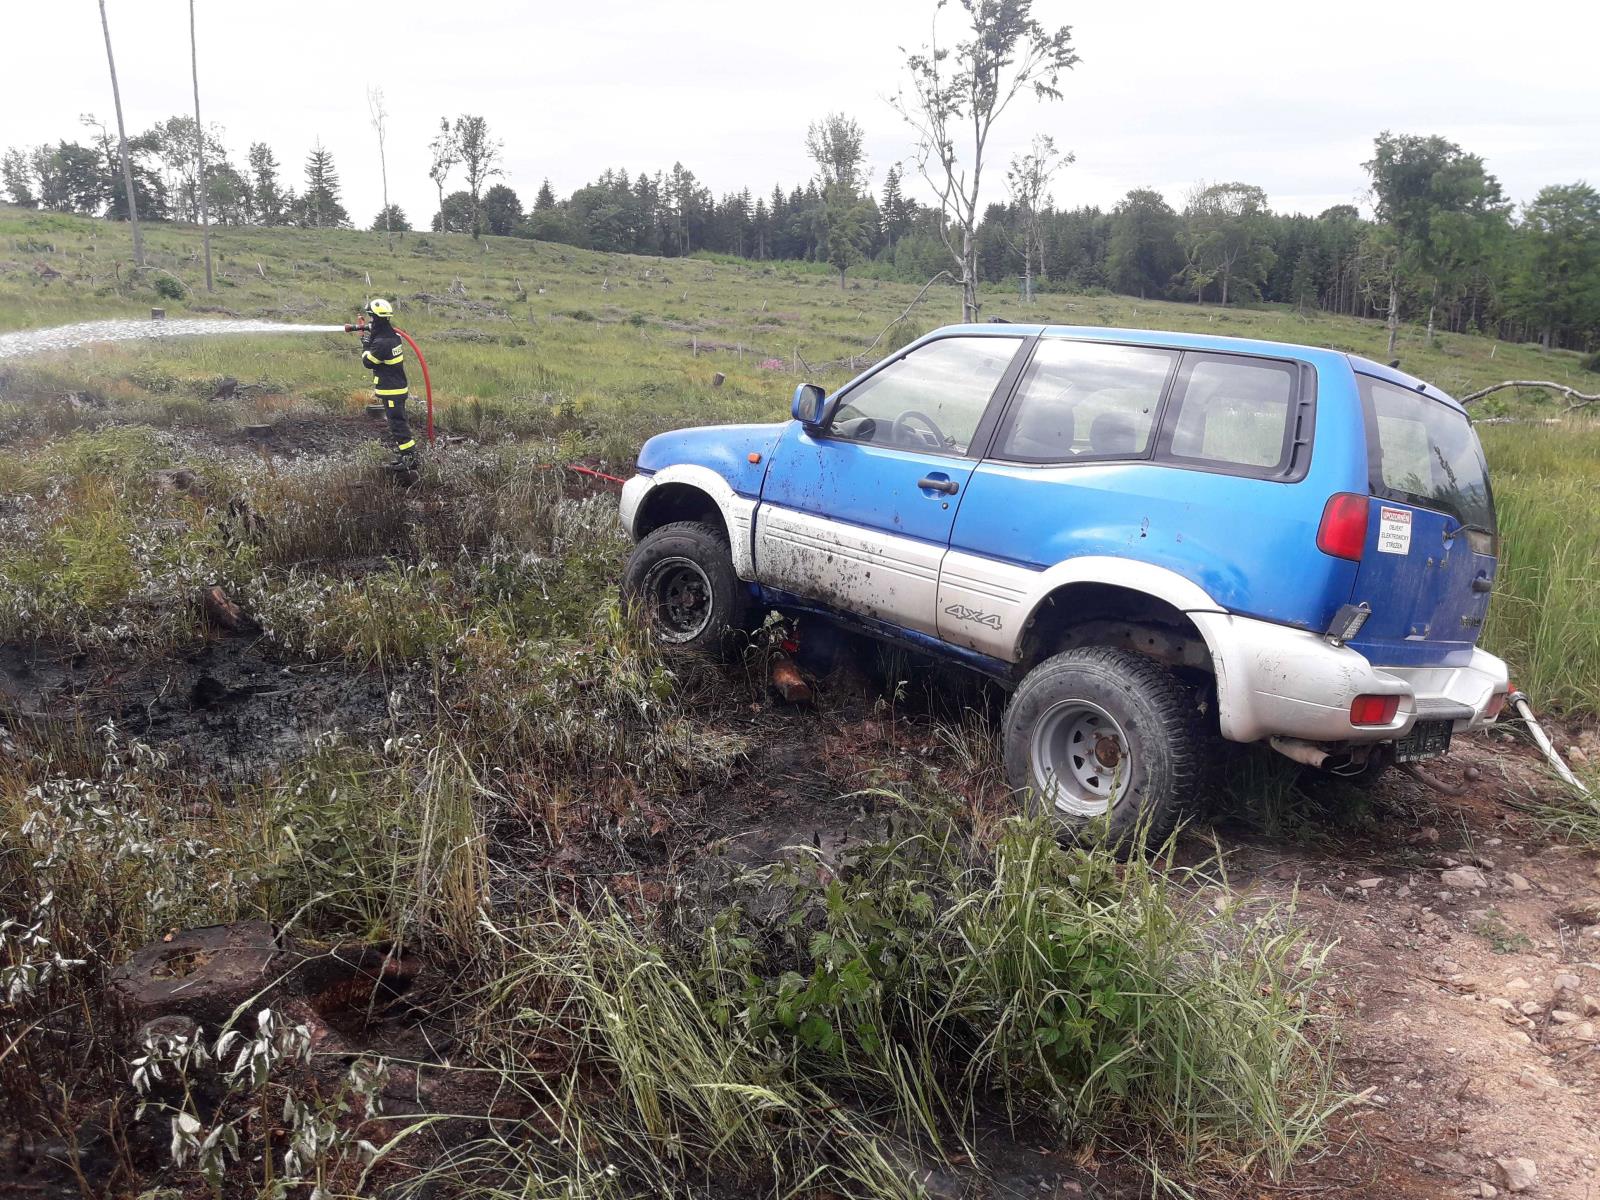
{"x": 122, "y": 137}
{"x": 199, "y": 147}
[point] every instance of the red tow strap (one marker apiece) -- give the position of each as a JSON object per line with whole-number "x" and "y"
{"x": 596, "y": 474}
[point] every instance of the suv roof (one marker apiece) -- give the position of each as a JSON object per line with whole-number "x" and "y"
{"x": 1322, "y": 355}
{"x": 1392, "y": 375}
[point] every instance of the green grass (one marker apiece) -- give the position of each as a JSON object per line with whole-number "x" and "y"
{"x": 1545, "y": 614}
{"x": 895, "y": 996}
{"x": 507, "y": 350}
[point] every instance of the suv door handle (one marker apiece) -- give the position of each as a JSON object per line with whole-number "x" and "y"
{"x": 1483, "y": 584}
{"x": 948, "y": 486}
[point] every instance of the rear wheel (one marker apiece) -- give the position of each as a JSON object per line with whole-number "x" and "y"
{"x": 681, "y": 578}
{"x": 1106, "y": 742}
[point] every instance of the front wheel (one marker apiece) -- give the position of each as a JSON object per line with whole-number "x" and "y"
{"x": 681, "y": 578}
{"x": 1105, "y": 741}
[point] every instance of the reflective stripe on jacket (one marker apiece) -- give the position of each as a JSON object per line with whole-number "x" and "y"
{"x": 384, "y": 352}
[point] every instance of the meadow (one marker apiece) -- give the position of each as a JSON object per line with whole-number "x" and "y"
{"x": 593, "y": 353}
{"x": 428, "y": 728}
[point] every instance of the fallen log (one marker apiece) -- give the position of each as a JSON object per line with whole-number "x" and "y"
{"x": 1575, "y": 398}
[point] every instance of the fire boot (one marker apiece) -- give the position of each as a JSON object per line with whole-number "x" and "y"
{"x": 405, "y": 459}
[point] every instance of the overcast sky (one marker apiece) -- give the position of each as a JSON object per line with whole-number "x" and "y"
{"x": 1284, "y": 95}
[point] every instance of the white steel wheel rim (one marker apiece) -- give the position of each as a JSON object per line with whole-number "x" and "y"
{"x": 1081, "y": 758}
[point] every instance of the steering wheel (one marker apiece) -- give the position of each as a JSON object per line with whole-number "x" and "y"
{"x": 903, "y": 429}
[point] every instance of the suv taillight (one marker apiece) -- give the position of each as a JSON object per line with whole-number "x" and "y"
{"x": 1343, "y": 532}
{"x": 1373, "y": 710}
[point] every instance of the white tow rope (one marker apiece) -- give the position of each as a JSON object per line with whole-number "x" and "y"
{"x": 1520, "y": 703}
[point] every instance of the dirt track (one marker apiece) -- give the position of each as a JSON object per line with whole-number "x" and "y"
{"x": 1431, "y": 983}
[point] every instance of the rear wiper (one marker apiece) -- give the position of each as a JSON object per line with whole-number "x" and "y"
{"x": 1468, "y": 527}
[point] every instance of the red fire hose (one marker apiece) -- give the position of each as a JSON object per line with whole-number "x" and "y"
{"x": 427, "y": 383}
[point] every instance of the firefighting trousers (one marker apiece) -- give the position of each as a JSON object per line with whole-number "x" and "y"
{"x": 400, "y": 435}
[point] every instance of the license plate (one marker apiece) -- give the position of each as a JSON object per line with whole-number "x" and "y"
{"x": 1427, "y": 739}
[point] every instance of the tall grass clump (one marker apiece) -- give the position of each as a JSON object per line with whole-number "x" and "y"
{"x": 1545, "y": 615}
{"x": 1117, "y": 1003}
{"x": 1572, "y": 816}
{"x": 840, "y": 1019}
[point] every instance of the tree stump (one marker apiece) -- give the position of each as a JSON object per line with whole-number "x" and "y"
{"x": 203, "y": 974}
{"x": 223, "y": 612}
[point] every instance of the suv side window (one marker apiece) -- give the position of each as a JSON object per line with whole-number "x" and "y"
{"x": 1085, "y": 400}
{"x": 1232, "y": 413}
{"x": 931, "y": 400}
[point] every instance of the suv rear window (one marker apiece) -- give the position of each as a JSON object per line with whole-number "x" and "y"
{"x": 1425, "y": 453}
{"x": 1232, "y": 413}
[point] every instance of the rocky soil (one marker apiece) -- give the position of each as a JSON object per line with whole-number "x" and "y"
{"x": 1465, "y": 983}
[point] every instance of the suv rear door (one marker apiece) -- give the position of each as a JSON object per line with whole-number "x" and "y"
{"x": 1430, "y": 555}
{"x": 857, "y": 514}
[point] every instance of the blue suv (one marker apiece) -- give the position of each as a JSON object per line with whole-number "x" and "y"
{"x": 1153, "y": 538}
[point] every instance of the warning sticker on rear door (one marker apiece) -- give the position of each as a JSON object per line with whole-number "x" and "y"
{"x": 1394, "y": 530}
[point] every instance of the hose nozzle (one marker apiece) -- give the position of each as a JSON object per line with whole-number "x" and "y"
{"x": 358, "y": 327}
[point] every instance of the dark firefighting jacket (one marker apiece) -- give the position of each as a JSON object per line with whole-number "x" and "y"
{"x": 383, "y": 351}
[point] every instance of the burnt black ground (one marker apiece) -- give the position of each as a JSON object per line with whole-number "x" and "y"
{"x": 221, "y": 709}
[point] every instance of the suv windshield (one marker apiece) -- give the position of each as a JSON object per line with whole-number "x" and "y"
{"x": 1426, "y": 453}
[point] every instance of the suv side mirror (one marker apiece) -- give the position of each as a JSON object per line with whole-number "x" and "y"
{"x": 809, "y": 401}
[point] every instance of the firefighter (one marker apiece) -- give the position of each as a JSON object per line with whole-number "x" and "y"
{"x": 384, "y": 352}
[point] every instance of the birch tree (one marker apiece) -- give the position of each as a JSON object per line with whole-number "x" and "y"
{"x": 480, "y": 158}
{"x": 445, "y": 154}
{"x": 1029, "y": 181}
{"x": 958, "y": 94}
{"x": 835, "y": 144}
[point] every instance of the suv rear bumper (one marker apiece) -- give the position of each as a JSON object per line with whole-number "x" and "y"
{"x": 1274, "y": 681}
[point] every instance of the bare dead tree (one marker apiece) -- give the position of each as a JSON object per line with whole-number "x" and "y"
{"x": 963, "y": 92}
{"x": 199, "y": 149}
{"x": 380, "y": 125}
{"x": 915, "y": 300}
{"x": 122, "y": 137}
{"x": 1575, "y": 398}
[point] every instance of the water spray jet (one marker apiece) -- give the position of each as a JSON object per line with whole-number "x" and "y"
{"x": 87, "y": 333}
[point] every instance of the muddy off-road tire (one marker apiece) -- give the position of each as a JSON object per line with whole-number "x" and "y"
{"x": 1094, "y": 729}
{"x": 680, "y": 577}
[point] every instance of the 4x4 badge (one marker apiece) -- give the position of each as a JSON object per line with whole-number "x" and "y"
{"x": 962, "y": 613}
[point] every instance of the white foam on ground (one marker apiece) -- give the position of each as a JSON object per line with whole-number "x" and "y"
{"x": 70, "y": 337}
